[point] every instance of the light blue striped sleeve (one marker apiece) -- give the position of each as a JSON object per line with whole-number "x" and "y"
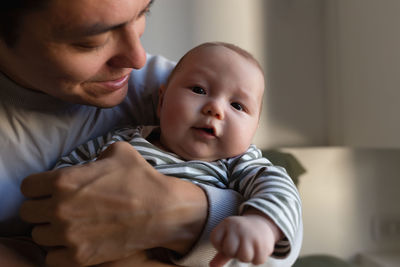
{"x": 269, "y": 189}
{"x": 91, "y": 150}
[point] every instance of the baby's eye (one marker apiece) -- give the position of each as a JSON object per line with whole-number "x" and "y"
{"x": 237, "y": 106}
{"x": 198, "y": 90}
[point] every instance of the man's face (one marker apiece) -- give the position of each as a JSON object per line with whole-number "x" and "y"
{"x": 211, "y": 106}
{"x": 80, "y": 51}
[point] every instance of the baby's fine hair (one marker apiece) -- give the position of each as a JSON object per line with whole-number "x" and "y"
{"x": 233, "y": 47}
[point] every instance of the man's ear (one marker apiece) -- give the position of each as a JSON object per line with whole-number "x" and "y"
{"x": 161, "y": 92}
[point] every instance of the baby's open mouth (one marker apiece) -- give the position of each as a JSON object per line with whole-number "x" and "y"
{"x": 210, "y": 131}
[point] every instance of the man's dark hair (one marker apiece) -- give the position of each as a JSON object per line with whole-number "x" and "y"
{"x": 11, "y": 15}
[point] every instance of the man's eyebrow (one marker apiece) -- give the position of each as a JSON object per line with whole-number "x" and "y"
{"x": 99, "y": 28}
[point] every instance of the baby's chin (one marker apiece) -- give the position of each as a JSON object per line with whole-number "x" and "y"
{"x": 195, "y": 155}
{"x": 201, "y": 152}
{"x": 199, "y": 158}
{"x": 208, "y": 157}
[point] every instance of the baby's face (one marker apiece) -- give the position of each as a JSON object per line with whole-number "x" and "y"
{"x": 211, "y": 107}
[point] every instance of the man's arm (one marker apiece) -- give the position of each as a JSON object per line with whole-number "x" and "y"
{"x": 108, "y": 209}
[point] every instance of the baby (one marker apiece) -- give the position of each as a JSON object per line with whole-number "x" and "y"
{"x": 209, "y": 112}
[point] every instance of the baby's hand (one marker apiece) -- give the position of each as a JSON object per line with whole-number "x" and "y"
{"x": 249, "y": 238}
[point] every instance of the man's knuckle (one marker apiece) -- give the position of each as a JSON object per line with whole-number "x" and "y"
{"x": 72, "y": 237}
{"x": 62, "y": 182}
{"x": 60, "y": 213}
{"x": 134, "y": 204}
{"x": 82, "y": 255}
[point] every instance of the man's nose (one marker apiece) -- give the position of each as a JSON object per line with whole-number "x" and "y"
{"x": 131, "y": 53}
{"x": 214, "y": 108}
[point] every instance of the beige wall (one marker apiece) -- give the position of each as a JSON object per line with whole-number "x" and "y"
{"x": 296, "y": 108}
{"x": 362, "y": 72}
{"x": 175, "y": 26}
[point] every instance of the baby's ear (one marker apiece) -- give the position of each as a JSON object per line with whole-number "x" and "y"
{"x": 161, "y": 92}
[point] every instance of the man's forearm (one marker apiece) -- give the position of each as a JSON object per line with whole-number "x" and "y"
{"x": 185, "y": 219}
{"x": 221, "y": 204}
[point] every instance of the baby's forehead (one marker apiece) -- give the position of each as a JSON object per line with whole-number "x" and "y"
{"x": 236, "y": 50}
{"x": 210, "y": 56}
{"x": 206, "y": 53}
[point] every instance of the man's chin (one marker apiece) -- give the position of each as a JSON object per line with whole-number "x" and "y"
{"x": 107, "y": 101}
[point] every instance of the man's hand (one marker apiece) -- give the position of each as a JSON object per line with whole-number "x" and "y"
{"x": 108, "y": 209}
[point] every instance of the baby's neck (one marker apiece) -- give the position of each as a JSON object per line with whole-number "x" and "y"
{"x": 157, "y": 143}
{"x": 154, "y": 138}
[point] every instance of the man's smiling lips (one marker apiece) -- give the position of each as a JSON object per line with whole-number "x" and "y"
{"x": 116, "y": 84}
